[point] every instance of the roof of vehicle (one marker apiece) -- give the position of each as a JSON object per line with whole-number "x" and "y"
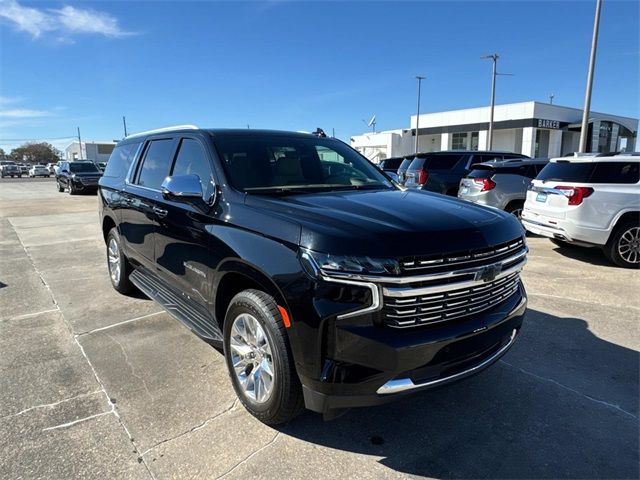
{"x": 595, "y": 159}
{"x": 221, "y": 132}
{"x": 468, "y": 152}
{"x": 516, "y": 162}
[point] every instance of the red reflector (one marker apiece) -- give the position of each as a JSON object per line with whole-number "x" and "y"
{"x": 285, "y": 316}
{"x": 422, "y": 176}
{"x": 487, "y": 183}
{"x": 575, "y": 194}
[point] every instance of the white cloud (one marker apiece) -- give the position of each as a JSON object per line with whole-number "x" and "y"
{"x": 65, "y": 21}
{"x": 23, "y": 113}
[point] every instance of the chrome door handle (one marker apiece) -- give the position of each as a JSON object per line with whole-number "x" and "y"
{"x": 160, "y": 212}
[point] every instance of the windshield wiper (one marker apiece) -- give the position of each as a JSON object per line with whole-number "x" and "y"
{"x": 278, "y": 191}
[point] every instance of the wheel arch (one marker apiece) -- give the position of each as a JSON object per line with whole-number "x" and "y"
{"x": 622, "y": 217}
{"x": 237, "y": 275}
{"x": 107, "y": 224}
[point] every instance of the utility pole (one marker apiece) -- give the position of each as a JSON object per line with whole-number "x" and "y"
{"x": 587, "y": 96}
{"x": 124, "y": 123}
{"x": 80, "y": 144}
{"x": 419, "y": 78}
{"x": 493, "y": 57}
{"x": 551, "y": 99}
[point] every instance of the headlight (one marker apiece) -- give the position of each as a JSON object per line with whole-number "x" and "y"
{"x": 348, "y": 264}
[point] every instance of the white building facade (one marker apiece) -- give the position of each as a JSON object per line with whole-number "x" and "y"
{"x": 531, "y": 128}
{"x": 93, "y": 151}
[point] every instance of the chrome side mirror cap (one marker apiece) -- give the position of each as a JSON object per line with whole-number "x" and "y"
{"x": 182, "y": 187}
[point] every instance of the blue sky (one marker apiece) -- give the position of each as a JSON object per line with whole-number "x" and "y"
{"x": 297, "y": 65}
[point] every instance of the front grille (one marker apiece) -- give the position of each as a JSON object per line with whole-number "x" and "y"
{"x": 462, "y": 259}
{"x": 448, "y": 305}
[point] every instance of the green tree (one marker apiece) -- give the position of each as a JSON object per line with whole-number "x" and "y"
{"x": 2, "y": 154}
{"x": 42, "y": 152}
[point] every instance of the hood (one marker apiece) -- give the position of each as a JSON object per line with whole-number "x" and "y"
{"x": 390, "y": 223}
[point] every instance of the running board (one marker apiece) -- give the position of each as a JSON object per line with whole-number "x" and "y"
{"x": 178, "y": 305}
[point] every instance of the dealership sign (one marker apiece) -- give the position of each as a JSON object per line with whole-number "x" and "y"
{"x": 542, "y": 123}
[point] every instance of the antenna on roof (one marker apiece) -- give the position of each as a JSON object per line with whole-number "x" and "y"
{"x": 372, "y": 123}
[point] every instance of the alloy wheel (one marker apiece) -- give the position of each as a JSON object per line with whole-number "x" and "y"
{"x": 629, "y": 245}
{"x": 517, "y": 213}
{"x": 113, "y": 256}
{"x": 252, "y": 358}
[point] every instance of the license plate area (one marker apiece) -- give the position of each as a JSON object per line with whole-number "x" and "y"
{"x": 541, "y": 197}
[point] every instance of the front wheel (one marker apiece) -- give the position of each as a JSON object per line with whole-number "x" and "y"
{"x": 259, "y": 358}
{"x": 60, "y": 187}
{"x": 623, "y": 247}
{"x": 118, "y": 265}
{"x": 515, "y": 209}
{"x": 72, "y": 189}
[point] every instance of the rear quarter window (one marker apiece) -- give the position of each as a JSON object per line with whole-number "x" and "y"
{"x": 405, "y": 164}
{"x": 120, "y": 160}
{"x": 616, "y": 172}
{"x": 444, "y": 162}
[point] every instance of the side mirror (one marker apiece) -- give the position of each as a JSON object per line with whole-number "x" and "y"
{"x": 182, "y": 188}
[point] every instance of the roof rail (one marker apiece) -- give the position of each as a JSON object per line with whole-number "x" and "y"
{"x": 163, "y": 129}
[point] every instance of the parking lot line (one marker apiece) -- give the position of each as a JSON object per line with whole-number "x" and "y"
{"x": 118, "y": 324}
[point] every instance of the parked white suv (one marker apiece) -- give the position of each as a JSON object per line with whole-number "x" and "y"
{"x": 589, "y": 201}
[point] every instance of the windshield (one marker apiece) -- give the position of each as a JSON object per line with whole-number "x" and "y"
{"x": 280, "y": 164}
{"x": 77, "y": 167}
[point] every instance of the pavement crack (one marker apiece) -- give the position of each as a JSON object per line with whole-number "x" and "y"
{"x": 565, "y": 387}
{"x": 74, "y": 422}
{"x": 191, "y": 430}
{"x": 95, "y": 330}
{"x": 131, "y": 367}
{"x": 248, "y": 457}
{"x": 50, "y": 405}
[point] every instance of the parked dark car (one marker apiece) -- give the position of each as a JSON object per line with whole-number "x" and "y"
{"x": 9, "y": 168}
{"x": 390, "y": 165}
{"x": 441, "y": 172}
{"x": 402, "y": 169}
{"x": 325, "y": 284}
{"x": 78, "y": 176}
{"x": 501, "y": 184}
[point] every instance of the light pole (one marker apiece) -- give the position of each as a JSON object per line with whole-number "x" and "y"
{"x": 80, "y": 144}
{"x": 419, "y": 78}
{"x": 494, "y": 57}
{"x": 124, "y": 124}
{"x": 551, "y": 97}
{"x": 592, "y": 63}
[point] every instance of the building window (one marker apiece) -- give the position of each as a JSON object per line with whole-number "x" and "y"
{"x": 105, "y": 149}
{"x": 474, "y": 140}
{"x": 536, "y": 150}
{"x": 459, "y": 141}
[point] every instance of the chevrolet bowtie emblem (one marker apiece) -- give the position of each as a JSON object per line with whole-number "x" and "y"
{"x": 489, "y": 272}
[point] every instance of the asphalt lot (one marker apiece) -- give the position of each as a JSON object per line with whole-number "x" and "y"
{"x": 94, "y": 384}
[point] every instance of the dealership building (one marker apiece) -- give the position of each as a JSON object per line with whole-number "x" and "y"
{"x": 533, "y": 128}
{"x": 93, "y": 151}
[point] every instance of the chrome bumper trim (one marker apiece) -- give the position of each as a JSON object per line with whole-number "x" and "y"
{"x": 404, "y": 384}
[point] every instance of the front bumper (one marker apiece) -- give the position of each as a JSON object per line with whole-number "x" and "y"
{"x": 374, "y": 364}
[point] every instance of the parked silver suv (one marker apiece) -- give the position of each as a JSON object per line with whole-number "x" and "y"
{"x": 501, "y": 184}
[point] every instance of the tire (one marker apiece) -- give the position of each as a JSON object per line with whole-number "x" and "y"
{"x": 283, "y": 400}
{"x": 72, "y": 190}
{"x": 623, "y": 247}
{"x": 117, "y": 260}
{"x": 60, "y": 187}
{"x": 515, "y": 209}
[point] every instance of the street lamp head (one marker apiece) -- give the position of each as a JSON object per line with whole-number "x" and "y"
{"x": 493, "y": 56}
{"x": 420, "y": 77}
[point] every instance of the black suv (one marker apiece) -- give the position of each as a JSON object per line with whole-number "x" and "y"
{"x": 78, "y": 176}
{"x": 326, "y": 285}
{"x": 441, "y": 172}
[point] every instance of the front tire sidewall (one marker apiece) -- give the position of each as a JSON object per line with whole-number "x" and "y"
{"x": 281, "y": 405}
{"x": 123, "y": 286}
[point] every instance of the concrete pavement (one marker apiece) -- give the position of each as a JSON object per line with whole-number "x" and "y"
{"x": 95, "y": 384}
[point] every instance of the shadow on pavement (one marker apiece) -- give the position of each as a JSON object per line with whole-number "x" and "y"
{"x": 552, "y": 419}
{"x": 592, "y": 255}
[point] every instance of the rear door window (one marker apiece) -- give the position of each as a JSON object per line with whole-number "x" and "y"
{"x": 120, "y": 160}
{"x": 156, "y": 164}
{"x": 616, "y": 172}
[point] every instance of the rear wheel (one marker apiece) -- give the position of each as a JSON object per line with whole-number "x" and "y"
{"x": 515, "y": 209}
{"x": 259, "y": 358}
{"x": 60, "y": 187}
{"x": 118, "y": 265}
{"x": 623, "y": 248}
{"x": 72, "y": 189}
